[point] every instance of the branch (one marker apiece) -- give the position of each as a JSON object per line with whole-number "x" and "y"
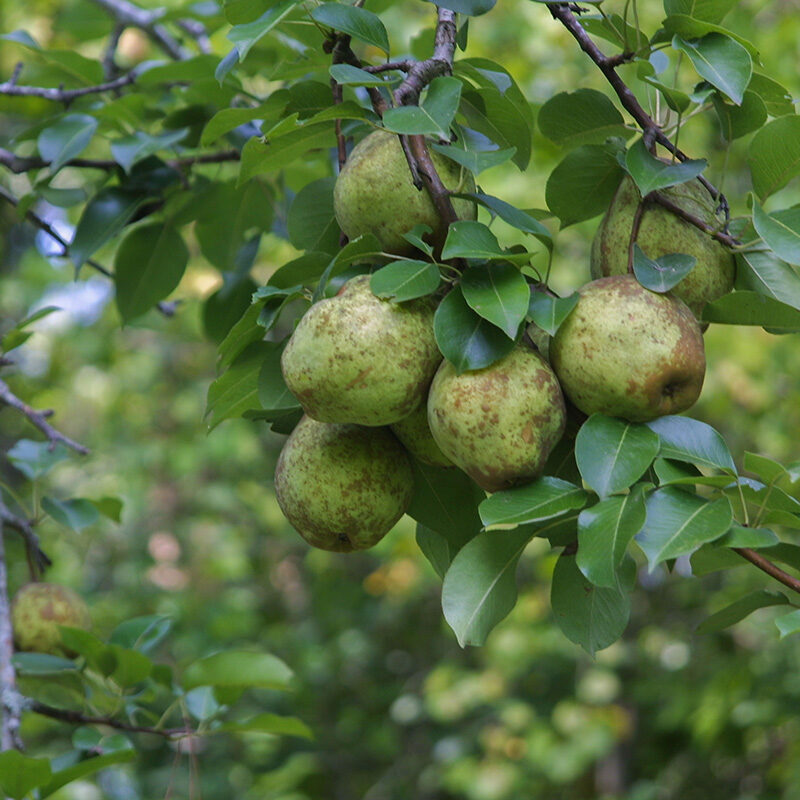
{"x": 198, "y": 32}
{"x": 39, "y": 419}
{"x": 564, "y": 14}
{"x": 38, "y": 560}
{"x": 109, "y": 64}
{"x": 765, "y": 565}
{"x": 720, "y": 236}
{"x": 77, "y": 718}
{"x": 130, "y": 15}
{"x": 9, "y": 697}
{"x": 65, "y": 96}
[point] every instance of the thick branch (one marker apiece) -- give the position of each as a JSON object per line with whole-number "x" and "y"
{"x": 9, "y": 697}
{"x": 38, "y": 560}
{"x": 563, "y": 13}
{"x": 765, "y": 565}
{"x": 39, "y": 419}
{"x": 130, "y": 15}
{"x": 65, "y": 96}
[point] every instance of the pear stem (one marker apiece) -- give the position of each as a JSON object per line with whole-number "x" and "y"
{"x": 637, "y": 222}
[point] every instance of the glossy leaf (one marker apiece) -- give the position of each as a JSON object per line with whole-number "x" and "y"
{"x": 480, "y": 587}
{"x": 273, "y": 724}
{"x": 789, "y": 623}
{"x": 66, "y": 139}
{"x": 240, "y": 669}
{"x": 435, "y": 548}
{"x": 612, "y": 453}
{"x": 87, "y": 767}
{"x": 433, "y": 116}
{"x": 36, "y": 459}
{"x": 75, "y": 514}
{"x": 548, "y": 312}
{"x": 236, "y": 390}
{"x": 721, "y": 60}
{"x": 780, "y": 231}
{"x": 774, "y": 155}
{"x": 358, "y": 22}
{"x": 405, "y": 280}
{"x": 651, "y": 174}
{"x": 470, "y": 239}
{"x": 766, "y": 274}
{"x": 742, "y": 608}
{"x": 137, "y": 146}
{"x": 661, "y": 274}
{"x": 740, "y": 536}
{"x": 311, "y": 222}
{"x": 518, "y": 219}
{"x": 248, "y": 34}
{"x": 737, "y": 121}
{"x": 273, "y": 393}
{"x": 590, "y": 616}
{"x": 476, "y": 161}
{"x": 584, "y": 116}
{"x": 465, "y": 339}
{"x": 678, "y": 523}
{"x": 749, "y": 308}
{"x": 687, "y": 439}
{"x": 541, "y": 499}
{"x": 499, "y": 293}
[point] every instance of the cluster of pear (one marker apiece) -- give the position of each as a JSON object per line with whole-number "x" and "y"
{"x": 377, "y": 393}
{"x": 37, "y": 611}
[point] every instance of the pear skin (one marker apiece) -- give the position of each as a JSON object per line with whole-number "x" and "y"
{"x": 415, "y": 435}
{"x": 36, "y": 613}
{"x": 342, "y": 487}
{"x": 628, "y": 352}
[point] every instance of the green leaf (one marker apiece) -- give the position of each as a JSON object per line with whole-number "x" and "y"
{"x": 604, "y": 532}
{"x": 273, "y": 724}
{"x": 20, "y": 774}
{"x": 472, "y": 8}
{"x": 131, "y": 666}
{"x": 311, "y": 222}
{"x": 651, "y": 174}
{"x": 435, "y": 548}
{"x": 66, "y": 139}
{"x": 691, "y": 28}
{"x": 664, "y": 273}
{"x": 238, "y": 11}
{"x": 470, "y": 239}
{"x": 433, "y": 116}
{"x": 739, "y": 536}
{"x": 583, "y": 184}
{"x": 141, "y": 633}
{"x": 246, "y": 35}
{"x": 236, "y": 390}
{"x": 789, "y": 623}
{"x": 476, "y": 161}
{"x": 105, "y": 215}
{"x": 239, "y": 669}
{"x": 513, "y": 216}
{"x": 678, "y": 523}
{"x": 446, "y": 501}
{"x": 548, "y": 312}
{"x": 357, "y": 22}
{"x": 687, "y": 439}
{"x": 480, "y": 587}
{"x": 737, "y": 121}
{"x": 273, "y": 393}
{"x": 41, "y": 664}
{"x": 128, "y": 150}
{"x": 224, "y": 308}
{"x": 269, "y": 154}
{"x": 87, "y": 767}
{"x": 75, "y": 514}
{"x": 776, "y": 98}
{"x": 749, "y": 308}
{"x": 593, "y": 617}
{"x": 721, "y": 60}
{"x": 305, "y": 269}
{"x": 499, "y": 293}
{"x": 17, "y": 335}
{"x": 705, "y": 10}
{"x": 542, "y": 499}
{"x": 584, "y": 116}
{"x": 677, "y": 100}
{"x": 764, "y": 467}
{"x": 774, "y": 155}
{"x": 671, "y": 473}
{"x": 780, "y": 231}
{"x": 405, "y": 280}
{"x": 465, "y": 339}
{"x": 36, "y": 459}
{"x": 742, "y": 608}
{"x": 348, "y": 75}
{"x": 612, "y": 453}
{"x": 149, "y": 265}
{"x": 229, "y": 118}
{"x": 766, "y": 274}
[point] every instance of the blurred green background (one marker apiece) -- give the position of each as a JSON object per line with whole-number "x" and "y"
{"x": 398, "y": 709}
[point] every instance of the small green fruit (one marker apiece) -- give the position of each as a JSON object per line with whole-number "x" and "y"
{"x": 415, "y": 435}
{"x": 499, "y": 423}
{"x": 343, "y": 487}
{"x": 374, "y": 193}
{"x": 355, "y": 358}
{"x": 660, "y": 233}
{"x": 36, "y": 612}
{"x": 628, "y": 352}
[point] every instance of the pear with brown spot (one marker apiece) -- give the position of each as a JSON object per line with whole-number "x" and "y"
{"x": 355, "y": 358}
{"x": 628, "y": 352}
{"x": 499, "y": 423}
{"x": 415, "y": 435}
{"x": 343, "y": 487}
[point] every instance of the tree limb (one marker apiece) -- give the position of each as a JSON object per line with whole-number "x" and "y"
{"x": 765, "y": 565}
{"x": 65, "y": 96}
{"x": 9, "y": 697}
{"x": 38, "y": 560}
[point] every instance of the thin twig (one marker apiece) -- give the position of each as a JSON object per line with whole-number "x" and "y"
{"x": 198, "y": 32}
{"x": 109, "y": 56}
{"x": 10, "y": 705}
{"x": 390, "y": 66}
{"x": 678, "y": 211}
{"x": 637, "y": 222}
{"x": 39, "y": 420}
{"x": 765, "y": 565}
{"x": 66, "y": 96}
{"x": 38, "y": 560}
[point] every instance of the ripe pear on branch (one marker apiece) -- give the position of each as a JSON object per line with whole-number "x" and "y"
{"x": 375, "y": 193}
{"x": 342, "y": 487}
{"x": 662, "y": 232}
{"x": 355, "y": 358}
{"x": 499, "y": 423}
{"x": 415, "y": 435}
{"x": 628, "y": 352}
{"x": 37, "y": 611}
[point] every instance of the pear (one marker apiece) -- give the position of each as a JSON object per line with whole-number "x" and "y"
{"x": 343, "y": 487}
{"x": 415, "y": 435}
{"x": 374, "y": 193}
{"x": 355, "y": 358}
{"x": 628, "y": 352}
{"x": 662, "y": 232}
{"x": 36, "y": 613}
{"x": 499, "y": 423}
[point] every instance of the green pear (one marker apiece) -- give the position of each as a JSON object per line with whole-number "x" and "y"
{"x": 359, "y": 359}
{"x": 499, "y": 423}
{"x": 628, "y": 352}
{"x": 662, "y": 232}
{"x": 415, "y": 435}
{"x": 374, "y": 193}
{"x": 36, "y": 613}
{"x": 343, "y": 487}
